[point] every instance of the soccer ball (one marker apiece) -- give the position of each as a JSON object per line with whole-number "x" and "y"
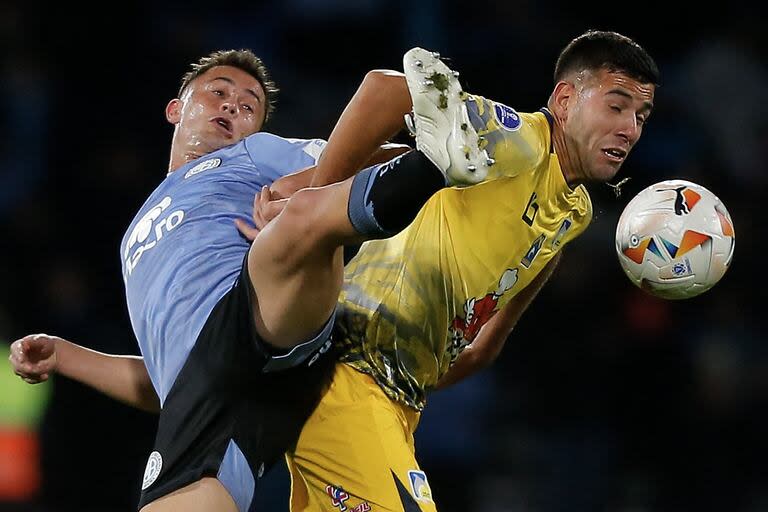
{"x": 675, "y": 239}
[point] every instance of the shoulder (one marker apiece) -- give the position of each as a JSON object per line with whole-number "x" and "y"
{"x": 264, "y": 147}
{"x": 270, "y": 140}
{"x": 518, "y": 141}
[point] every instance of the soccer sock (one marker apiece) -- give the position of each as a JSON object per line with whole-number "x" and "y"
{"x": 386, "y": 198}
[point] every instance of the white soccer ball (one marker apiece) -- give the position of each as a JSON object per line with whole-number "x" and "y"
{"x": 675, "y": 239}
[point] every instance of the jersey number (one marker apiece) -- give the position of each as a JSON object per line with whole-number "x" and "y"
{"x": 531, "y": 210}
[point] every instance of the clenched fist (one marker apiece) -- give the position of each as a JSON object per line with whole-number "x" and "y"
{"x": 34, "y": 357}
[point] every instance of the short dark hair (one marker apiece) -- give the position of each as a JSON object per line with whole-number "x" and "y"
{"x": 242, "y": 59}
{"x": 597, "y": 49}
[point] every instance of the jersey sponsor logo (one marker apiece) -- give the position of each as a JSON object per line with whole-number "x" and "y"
{"x": 507, "y": 117}
{"x": 420, "y": 486}
{"x": 564, "y": 227}
{"x": 338, "y": 496}
{"x": 531, "y": 209}
{"x": 527, "y": 260}
{"x": 149, "y": 231}
{"x": 203, "y": 166}
{"x": 151, "y": 472}
{"x": 477, "y": 311}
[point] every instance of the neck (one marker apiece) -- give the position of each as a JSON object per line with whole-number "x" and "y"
{"x": 179, "y": 159}
{"x": 568, "y": 161}
{"x": 184, "y": 151}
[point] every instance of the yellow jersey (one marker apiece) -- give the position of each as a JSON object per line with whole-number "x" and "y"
{"x": 411, "y": 303}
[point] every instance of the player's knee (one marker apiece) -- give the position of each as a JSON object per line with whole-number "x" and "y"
{"x": 302, "y": 217}
{"x": 384, "y": 82}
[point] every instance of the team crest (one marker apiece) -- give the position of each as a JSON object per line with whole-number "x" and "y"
{"x": 152, "y": 471}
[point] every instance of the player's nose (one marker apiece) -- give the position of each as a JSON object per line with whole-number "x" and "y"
{"x": 229, "y": 107}
{"x": 630, "y": 130}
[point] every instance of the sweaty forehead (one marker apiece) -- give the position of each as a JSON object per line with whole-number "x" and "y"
{"x": 613, "y": 80}
{"x": 231, "y": 75}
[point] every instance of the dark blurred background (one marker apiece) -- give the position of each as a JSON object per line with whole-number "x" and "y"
{"x": 605, "y": 399}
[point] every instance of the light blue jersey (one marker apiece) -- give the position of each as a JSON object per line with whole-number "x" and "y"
{"x": 182, "y": 253}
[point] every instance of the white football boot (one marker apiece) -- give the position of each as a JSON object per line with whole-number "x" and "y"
{"x": 440, "y": 121}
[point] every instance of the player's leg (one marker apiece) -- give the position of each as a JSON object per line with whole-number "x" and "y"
{"x": 205, "y": 495}
{"x": 439, "y": 107}
{"x": 356, "y": 452}
{"x": 296, "y": 263}
{"x": 225, "y": 416}
{"x": 375, "y": 113}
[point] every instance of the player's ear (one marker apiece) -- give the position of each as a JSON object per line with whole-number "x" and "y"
{"x": 173, "y": 111}
{"x": 562, "y": 97}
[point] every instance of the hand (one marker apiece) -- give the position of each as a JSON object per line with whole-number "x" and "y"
{"x": 265, "y": 208}
{"x": 285, "y": 186}
{"x": 34, "y": 357}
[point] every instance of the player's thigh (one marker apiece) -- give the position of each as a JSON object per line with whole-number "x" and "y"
{"x": 314, "y": 220}
{"x": 296, "y": 266}
{"x": 356, "y": 451}
{"x": 205, "y": 495}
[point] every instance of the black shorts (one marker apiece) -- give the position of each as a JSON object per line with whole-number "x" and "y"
{"x": 237, "y": 405}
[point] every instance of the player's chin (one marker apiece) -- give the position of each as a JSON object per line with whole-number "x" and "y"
{"x": 216, "y": 143}
{"x": 607, "y": 172}
{"x": 603, "y": 175}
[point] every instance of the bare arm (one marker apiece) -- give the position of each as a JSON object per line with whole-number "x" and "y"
{"x": 373, "y": 115}
{"x": 124, "y": 378}
{"x": 268, "y": 203}
{"x": 285, "y": 186}
{"x": 490, "y": 340}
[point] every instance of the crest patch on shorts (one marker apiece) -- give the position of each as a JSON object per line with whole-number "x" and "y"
{"x": 151, "y": 472}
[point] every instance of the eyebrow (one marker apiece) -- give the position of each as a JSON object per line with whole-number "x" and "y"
{"x": 647, "y": 105}
{"x": 229, "y": 80}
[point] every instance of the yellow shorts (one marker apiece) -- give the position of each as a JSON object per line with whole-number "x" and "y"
{"x": 356, "y": 452}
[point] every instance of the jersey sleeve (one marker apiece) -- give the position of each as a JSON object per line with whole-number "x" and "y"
{"x": 283, "y": 156}
{"x": 518, "y": 141}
